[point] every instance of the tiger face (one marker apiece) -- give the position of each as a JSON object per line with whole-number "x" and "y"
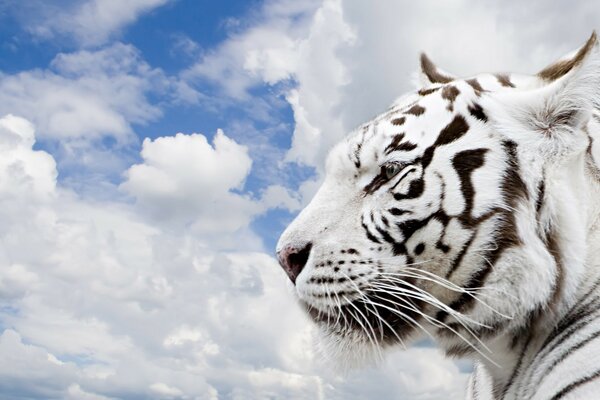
{"x": 433, "y": 219}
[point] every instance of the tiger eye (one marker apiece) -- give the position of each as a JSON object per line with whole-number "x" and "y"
{"x": 390, "y": 170}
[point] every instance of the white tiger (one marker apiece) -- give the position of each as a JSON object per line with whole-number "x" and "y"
{"x": 469, "y": 211}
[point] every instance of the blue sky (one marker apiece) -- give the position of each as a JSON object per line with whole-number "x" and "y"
{"x": 151, "y": 152}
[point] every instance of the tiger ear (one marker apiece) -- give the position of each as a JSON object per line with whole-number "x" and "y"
{"x": 431, "y": 74}
{"x": 561, "y": 67}
{"x": 554, "y": 112}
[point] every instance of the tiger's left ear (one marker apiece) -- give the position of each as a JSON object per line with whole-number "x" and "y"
{"x": 430, "y": 74}
{"x": 554, "y": 111}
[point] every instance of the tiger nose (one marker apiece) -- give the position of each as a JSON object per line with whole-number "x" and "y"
{"x": 293, "y": 258}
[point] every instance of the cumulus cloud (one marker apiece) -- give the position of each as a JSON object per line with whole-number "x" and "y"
{"x": 186, "y": 172}
{"x": 263, "y": 51}
{"x": 89, "y": 94}
{"x": 28, "y": 174}
{"x": 186, "y": 181}
{"x": 88, "y": 23}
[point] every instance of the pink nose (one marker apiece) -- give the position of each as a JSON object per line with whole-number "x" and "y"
{"x": 293, "y": 259}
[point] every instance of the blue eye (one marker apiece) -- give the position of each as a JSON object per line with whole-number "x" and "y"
{"x": 389, "y": 170}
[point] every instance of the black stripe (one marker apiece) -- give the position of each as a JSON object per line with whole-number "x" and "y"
{"x": 396, "y": 140}
{"x": 370, "y": 236}
{"x": 518, "y": 366}
{"x": 376, "y": 183}
{"x": 513, "y": 189}
{"x": 453, "y": 131}
{"x": 406, "y": 146}
{"x": 428, "y": 91}
{"x": 415, "y": 110}
{"x": 504, "y": 80}
{"x": 477, "y": 112}
{"x": 475, "y": 85}
{"x": 359, "y": 147}
{"x": 410, "y": 226}
{"x": 541, "y": 195}
{"x": 568, "y": 325}
{"x": 464, "y": 163}
{"x": 415, "y": 189}
{"x": 398, "y": 211}
{"x": 575, "y": 320}
{"x": 574, "y": 385}
{"x": 460, "y": 256}
{"x": 585, "y": 297}
{"x": 398, "y": 121}
{"x": 565, "y": 354}
{"x": 407, "y": 171}
{"x": 385, "y": 235}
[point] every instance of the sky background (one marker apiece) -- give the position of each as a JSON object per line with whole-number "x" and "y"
{"x": 152, "y": 151}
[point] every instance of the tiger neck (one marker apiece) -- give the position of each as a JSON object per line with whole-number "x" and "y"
{"x": 512, "y": 351}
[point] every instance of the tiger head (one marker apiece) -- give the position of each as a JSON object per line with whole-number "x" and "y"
{"x": 455, "y": 213}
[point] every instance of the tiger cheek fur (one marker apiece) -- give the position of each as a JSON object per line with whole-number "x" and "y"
{"x": 461, "y": 213}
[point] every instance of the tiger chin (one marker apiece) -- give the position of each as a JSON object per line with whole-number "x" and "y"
{"x": 468, "y": 212}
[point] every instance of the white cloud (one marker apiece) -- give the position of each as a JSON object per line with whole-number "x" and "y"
{"x": 30, "y": 370}
{"x": 165, "y": 390}
{"x": 89, "y": 94}
{"x": 264, "y": 52}
{"x": 187, "y": 169}
{"x": 74, "y": 392}
{"x": 24, "y": 173}
{"x": 112, "y": 306}
{"x": 91, "y": 22}
{"x": 186, "y": 181}
{"x": 290, "y": 40}
{"x": 277, "y": 196}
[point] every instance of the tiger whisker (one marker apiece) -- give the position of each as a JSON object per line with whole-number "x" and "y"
{"x": 473, "y": 292}
{"x": 384, "y": 321}
{"x": 427, "y": 297}
{"x": 404, "y": 316}
{"x": 461, "y": 318}
{"x": 362, "y": 295}
{"x": 372, "y": 340}
{"x": 365, "y": 318}
{"x": 438, "y": 323}
{"x": 403, "y": 264}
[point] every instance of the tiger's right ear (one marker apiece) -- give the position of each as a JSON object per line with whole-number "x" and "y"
{"x": 430, "y": 74}
{"x": 563, "y": 66}
{"x": 551, "y": 116}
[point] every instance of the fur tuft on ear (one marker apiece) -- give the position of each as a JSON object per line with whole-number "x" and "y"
{"x": 570, "y": 99}
{"x": 559, "y": 108}
{"x": 431, "y": 74}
